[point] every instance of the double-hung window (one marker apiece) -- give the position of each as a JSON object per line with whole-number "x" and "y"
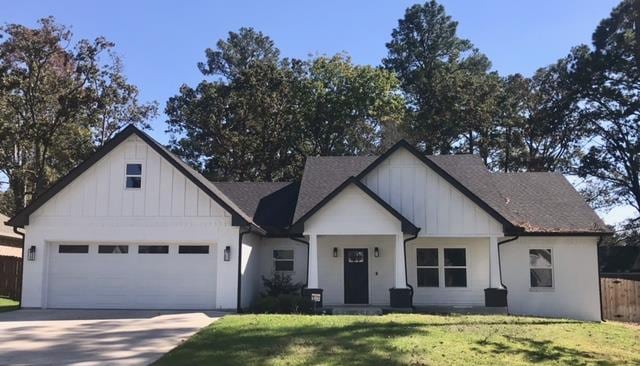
{"x": 448, "y": 264}
{"x": 541, "y": 268}
{"x": 283, "y": 260}
{"x": 133, "y": 175}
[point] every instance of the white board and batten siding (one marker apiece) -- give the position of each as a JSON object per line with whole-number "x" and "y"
{"x": 428, "y": 200}
{"x": 96, "y": 208}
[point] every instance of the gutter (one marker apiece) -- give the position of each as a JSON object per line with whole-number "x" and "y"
{"x": 600, "y": 240}
{"x": 406, "y": 278}
{"x": 239, "y": 301}
{"x": 15, "y": 230}
{"x": 306, "y": 280}
{"x": 500, "y": 258}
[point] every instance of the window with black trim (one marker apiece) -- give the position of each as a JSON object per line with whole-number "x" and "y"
{"x": 153, "y": 249}
{"x": 113, "y": 249}
{"x": 133, "y": 175}
{"x": 428, "y": 271}
{"x": 455, "y": 267}
{"x": 283, "y": 260}
{"x": 541, "y": 268}
{"x": 73, "y": 249}
{"x": 193, "y": 249}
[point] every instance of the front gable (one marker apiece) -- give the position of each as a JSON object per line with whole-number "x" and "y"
{"x": 353, "y": 212}
{"x": 100, "y": 190}
{"x": 425, "y": 197}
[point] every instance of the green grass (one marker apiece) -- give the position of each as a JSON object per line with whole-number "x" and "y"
{"x": 407, "y": 340}
{"x": 8, "y": 304}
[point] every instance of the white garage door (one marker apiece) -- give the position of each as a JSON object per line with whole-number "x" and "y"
{"x": 132, "y": 276}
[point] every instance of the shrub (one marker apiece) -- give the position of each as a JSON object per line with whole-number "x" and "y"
{"x": 280, "y": 284}
{"x": 282, "y": 304}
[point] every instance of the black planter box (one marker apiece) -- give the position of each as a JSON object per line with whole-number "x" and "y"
{"x": 495, "y": 297}
{"x": 400, "y": 297}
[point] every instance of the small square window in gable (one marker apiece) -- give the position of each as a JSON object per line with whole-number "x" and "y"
{"x": 133, "y": 174}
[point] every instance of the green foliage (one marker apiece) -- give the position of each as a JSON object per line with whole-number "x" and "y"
{"x": 609, "y": 79}
{"x": 280, "y": 284}
{"x": 264, "y": 114}
{"x": 282, "y": 304}
{"x": 57, "y": 102}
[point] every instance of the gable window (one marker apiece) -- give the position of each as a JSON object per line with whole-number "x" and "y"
{"x": 428, "y": 272}
{"x": 283, "y": 260}
{"x": 134, "y": 175}
{"x": 541, "y": 268}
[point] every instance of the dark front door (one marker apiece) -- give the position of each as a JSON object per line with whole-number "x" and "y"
{"x": 356, "y": 276}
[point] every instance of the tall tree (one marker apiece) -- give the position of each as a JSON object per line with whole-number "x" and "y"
{"x": 262, "y": 115}
{"x": 434, "y": 66}
{"x": 53, "y": 104}
{"x": 609, "y": 77}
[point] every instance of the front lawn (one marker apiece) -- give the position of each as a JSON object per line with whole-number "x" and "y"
{"x": 406, "y": 339}
{"x": 8, "y": 304}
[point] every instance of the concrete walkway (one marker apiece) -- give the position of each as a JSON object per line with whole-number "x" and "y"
{"x": 95, "y": 337}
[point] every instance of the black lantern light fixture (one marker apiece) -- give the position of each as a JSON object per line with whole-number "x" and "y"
{"x": 376, "y": 252}
{"x": 32, "y": 253}
{"x": 227, "y": 253}
{"x": 335, "y": 252}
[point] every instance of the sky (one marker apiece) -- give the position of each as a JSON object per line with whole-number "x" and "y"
{"x": 161, "y": 42}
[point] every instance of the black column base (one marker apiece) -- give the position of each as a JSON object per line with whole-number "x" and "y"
{"x": 307, "y": 292}
{"x": 400, "y": 297}
{"x": 495, "y": 297}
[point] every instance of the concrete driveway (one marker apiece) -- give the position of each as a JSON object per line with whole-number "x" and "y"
{"x": 95, "y": 337}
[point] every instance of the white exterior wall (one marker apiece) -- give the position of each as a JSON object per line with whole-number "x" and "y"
{"x": 331, "y": 269}
{"x": 477, "y": 252}
{"x": 575, "y": 293}
{"x": 250, "y": 269}
{"x": 352, "y": 212}
{"x": 428, "y": 200}
{"x": 97, "y": 208}
{"x": 267, "y": 266}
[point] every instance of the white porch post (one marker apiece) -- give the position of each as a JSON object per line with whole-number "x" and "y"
{"x": 400, "y": 277}
{"x": 494, "y": 263}
{"x": 312, "y": 281}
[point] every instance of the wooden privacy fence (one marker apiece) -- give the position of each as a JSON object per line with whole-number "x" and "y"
{"x": 10, "y": 273}
{"x": 621, "y": 297}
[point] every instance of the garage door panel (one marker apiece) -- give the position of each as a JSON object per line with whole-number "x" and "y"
{"x": 131, "y": 280}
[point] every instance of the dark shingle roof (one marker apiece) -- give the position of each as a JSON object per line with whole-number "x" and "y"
{"x": 270, "y": 204}
{"x": 535, "y": 202}
{"x": 322, "y": 175}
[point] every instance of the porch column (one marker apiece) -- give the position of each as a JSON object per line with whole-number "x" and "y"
{"x": 312, "y": 281}
{"x": 494, "y": 263}
{"x": 400, "y": 278}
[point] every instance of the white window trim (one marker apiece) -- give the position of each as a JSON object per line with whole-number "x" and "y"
{"x": 552, "y": 268}
{"x": 441, "y": 267}
{"x": 142, "y": 168}
{"x": 437, "y": 266}
{"x": 293, "y": 260}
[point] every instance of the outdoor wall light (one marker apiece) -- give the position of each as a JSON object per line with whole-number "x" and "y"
{"x": 376, "y": 252}
{"x": 335, "y": 252}
{"x": 32, "y": 253}
{"x": 227, "y": 253}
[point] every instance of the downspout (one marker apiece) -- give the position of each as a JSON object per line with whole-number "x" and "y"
{"x": 500, "y": 258}
{"x": 239, "y": 307}
{"x": 600, "y": 240}
{"x": 406, "y": 278}
{"x": 15, "y": 230}
{"x": 306, "y": 280}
